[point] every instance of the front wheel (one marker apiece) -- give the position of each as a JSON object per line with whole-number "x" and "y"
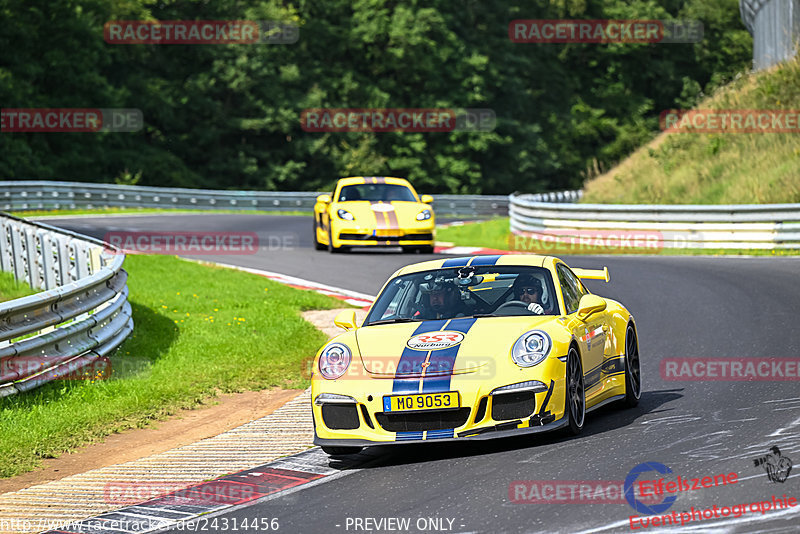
{"x": 633, "y": 374}
{"x": 340, "y": 451}
{"x": 317, "y": 244}
{"x": 575, "y": 404}
{"x": 331, "y": 248}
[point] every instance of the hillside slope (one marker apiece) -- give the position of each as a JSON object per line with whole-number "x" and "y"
{"x": 723, "y": 168}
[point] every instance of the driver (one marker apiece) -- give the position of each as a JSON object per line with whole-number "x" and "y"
{"x": 440, "y": 300}
{"x": 528, "y": 289}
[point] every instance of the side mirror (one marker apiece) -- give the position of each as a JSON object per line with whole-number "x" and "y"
{"x": 426, "y": 199}
{"x": 589, "y": 305}
{"x": 346, "y": 319}
{"x": 324, "y": 199}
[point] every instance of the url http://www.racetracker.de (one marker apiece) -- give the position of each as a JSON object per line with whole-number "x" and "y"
{"x": 694, "y": 514}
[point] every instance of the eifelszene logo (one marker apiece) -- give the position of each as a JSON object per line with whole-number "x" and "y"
{"x": 776, "y": 465}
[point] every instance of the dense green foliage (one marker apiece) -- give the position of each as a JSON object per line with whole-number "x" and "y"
{"x": 227, "y": 116}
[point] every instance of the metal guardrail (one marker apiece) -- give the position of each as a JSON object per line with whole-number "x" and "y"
{"x": 747, "y": 226}
{"x": 47, "y": 195}
{"x": 81, "y": 315}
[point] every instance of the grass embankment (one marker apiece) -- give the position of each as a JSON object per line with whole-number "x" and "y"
{"x": 725, "y": 168}
{"x": 102, "y": 212}
{"x": 199, "y": 331}
{"x": 10, "y": 289}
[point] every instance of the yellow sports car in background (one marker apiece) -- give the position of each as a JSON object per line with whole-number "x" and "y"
{"x": 474, "y": 348}
{"x": 370, "y": 211}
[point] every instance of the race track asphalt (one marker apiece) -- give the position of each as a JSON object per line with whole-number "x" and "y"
{"x": 684, "y": 307}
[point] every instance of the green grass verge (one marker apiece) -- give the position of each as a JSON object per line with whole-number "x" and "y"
{"x": 732, "y": 168}
{"x": 199, "y": 331}
{"x": 495, "y": 234}
{"x": 10, "y": 289}
{"x": 489, "y": 234}
{"x": 144, "y": 211}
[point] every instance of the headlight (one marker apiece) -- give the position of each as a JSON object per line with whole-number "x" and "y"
{"x": 346, "y": 215}
{"x": 424, "y": 215}
{"x": 531, "y": 348}
{"x": 334, "y": 360}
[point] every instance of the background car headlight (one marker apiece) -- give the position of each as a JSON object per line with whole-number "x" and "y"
{"x": 531, "y": 348}
{"x": 334, "y": 360}
{"x": 424, "y": 215}
{"x": 346, "y": 215}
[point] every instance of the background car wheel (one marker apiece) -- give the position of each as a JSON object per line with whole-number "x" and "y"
{"x": 426, "y": 249}
{"x": 317, "y": 244}
{"x": 341, "y": 451}
{"x": 633, "y": 376}
{"x": 576, "y": 397}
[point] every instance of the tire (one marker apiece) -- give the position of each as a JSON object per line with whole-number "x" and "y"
{"x": 317, "y": 244}
{"x": 575, "y": 401}
{"x": 633, "y": 375}
{"x": 331, "y": 248}
{"x": 341, "y": 451}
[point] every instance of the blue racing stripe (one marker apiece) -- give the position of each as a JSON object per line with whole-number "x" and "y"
{"x": 412, "y": 360}
{"x": 455, "y": 262}
{"x": 407, "y": 436}
{"x": 444, "y": 360}
{"x": 484, "y": 260}
{"x": 440, "y": 434}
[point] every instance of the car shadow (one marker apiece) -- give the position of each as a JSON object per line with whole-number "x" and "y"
{"x": 605, "y": 419}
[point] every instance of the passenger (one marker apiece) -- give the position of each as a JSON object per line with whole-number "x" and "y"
{"x": 440, "y": 300}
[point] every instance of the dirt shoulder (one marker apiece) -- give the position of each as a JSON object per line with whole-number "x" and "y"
{"x": 188, "y": 426}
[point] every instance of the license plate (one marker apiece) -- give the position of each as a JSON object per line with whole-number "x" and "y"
{"x": 425, "y": 401}
{"x": 388, "y": 233}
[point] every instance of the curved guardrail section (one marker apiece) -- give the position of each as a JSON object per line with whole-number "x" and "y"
{"x": 747, "y": 226}
{"x": 81, "y": 315}
{"x": 47, "y": 195}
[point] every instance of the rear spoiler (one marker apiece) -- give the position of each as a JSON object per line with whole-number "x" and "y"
{"x": 592, "y": 274}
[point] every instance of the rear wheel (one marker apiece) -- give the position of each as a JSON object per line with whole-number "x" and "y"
{"x": 575, "y": 398}
{"x": 633, "y": 376}
{"x": 341, "y": 451}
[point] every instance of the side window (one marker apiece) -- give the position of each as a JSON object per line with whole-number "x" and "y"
{"x": 571, "y": 288}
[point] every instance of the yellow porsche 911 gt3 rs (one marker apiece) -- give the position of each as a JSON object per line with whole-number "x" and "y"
{"x": 370, "y": 211}
{"x": 474, "y": 348}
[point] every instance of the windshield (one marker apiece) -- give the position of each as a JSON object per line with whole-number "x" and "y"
{"x": 376, "y": 192}
{"x": 466, "y": 292}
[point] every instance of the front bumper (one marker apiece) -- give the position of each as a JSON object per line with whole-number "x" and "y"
{"x": 489, "y": 433}
{"x": 482, "y": 413}
{"x": 358, "y": 236}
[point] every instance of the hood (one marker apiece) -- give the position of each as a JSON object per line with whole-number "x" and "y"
{"x": 456, "y": 346}
{"x": 388, "y": 215}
